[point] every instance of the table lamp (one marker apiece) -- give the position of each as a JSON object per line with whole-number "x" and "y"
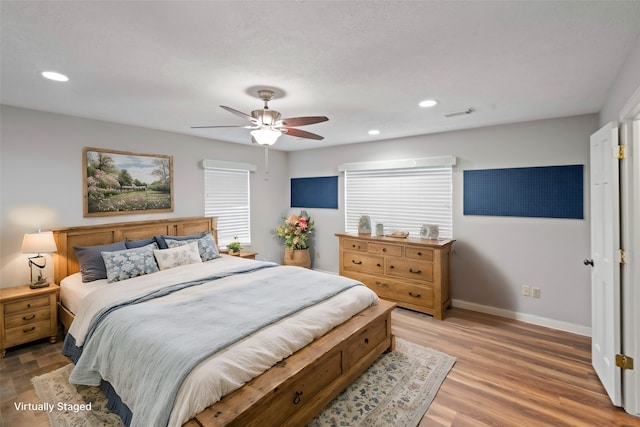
{"x": 38, "y": 243}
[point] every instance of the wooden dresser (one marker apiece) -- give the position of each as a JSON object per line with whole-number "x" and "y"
{"x": 412, "y": 272}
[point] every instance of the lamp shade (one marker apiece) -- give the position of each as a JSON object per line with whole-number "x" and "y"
{"x": 39, "y": 243}
{"x": 266, "y": 136}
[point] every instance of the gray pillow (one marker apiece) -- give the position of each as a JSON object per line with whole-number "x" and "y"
{"x": 160, "y": 240}
{"x": 129, "y": 263}
{"x": 90, "y": 259}
{"x": 139, "y": 243}
{"x": 206, "y": 245}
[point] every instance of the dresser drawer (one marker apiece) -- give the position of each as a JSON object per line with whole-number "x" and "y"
{"x": 399, "y": 291}
{"x": 354, "y": 245}
{"x": 27, "y": 333}
{"x": 26, "y": 304}
{"x": 353, "y": 261}
{"x": 410, "y": 269}
{"x": 418, "y": 253}
{"x": 26, "y": 318}
{"x": 385, "y": 249}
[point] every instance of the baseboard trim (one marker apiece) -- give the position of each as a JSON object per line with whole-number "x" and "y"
{"x": 528, "y": 318}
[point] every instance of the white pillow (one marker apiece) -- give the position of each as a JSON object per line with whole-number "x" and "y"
{"x": 181, "y": 255}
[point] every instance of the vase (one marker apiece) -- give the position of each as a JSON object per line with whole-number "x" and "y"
{"x": 297, "y": 257}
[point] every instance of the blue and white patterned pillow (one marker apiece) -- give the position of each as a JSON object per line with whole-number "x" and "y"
{"x": 180, "y": 255}
{"x": 129, "y": 263}
{"x": 206, "y": 246}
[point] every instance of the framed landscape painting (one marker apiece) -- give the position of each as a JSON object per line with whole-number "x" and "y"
{"x": 119, "y": 182}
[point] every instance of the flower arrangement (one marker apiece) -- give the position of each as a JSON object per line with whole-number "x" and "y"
{"x": 296, "y": 230}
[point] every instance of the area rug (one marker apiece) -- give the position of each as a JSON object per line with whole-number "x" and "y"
{"x": 396, "y": 390}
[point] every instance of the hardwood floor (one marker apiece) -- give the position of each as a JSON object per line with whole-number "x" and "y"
{"x": 507, "y": 373}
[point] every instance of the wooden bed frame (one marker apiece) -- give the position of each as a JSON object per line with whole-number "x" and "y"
{"x": 291, "y": 392}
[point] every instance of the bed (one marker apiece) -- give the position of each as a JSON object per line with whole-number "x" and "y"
{"x": 289, "y": 392}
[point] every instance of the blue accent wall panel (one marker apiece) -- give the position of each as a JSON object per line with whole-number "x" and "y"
{"x": 544, "y": 192}
{"x": 319, "y": 192}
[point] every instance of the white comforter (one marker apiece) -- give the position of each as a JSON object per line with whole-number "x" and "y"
{"x": 228, "y": 369}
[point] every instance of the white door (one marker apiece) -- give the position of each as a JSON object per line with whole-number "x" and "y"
{"x": 605, "y": 269}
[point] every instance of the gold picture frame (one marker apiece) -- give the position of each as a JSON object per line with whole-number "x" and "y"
{"x": 120, "y": 182}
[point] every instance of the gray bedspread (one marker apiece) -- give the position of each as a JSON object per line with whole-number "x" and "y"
{"x": 146, "y": 350}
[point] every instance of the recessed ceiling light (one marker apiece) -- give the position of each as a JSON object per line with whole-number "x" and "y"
{"x": 374, "y": 132}
{"x": 428, "y": 103}
{"x": 52, "y": 75}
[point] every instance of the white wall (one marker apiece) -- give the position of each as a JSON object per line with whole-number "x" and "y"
{"x": 493, "y": 256}
{"x": 41, "y": 179}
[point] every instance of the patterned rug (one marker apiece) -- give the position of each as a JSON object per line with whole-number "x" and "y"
{"x": 396, "y": 390}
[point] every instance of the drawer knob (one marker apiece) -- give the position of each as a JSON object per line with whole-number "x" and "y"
{"x": 27, "y": 330}
{"x": 297, "y": 398}
{"x": 28, "y": 305}
{"x": 411, "y": 270}
{"x": 378, "y": 265}
{"x": 356, "y": 262}
{"x": 419, "y": 253}
{"x": 416, "y": 295}
{"x": 366, "y": 340}
{"x": 33, "y": 316}
{"x": 384, "y": 249}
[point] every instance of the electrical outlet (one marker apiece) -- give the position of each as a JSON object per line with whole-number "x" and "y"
{"x": 526, "y": 291}
{"x": 535, "y": 292}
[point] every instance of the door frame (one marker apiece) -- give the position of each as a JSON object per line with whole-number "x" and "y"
{"x": 630, "y": 242}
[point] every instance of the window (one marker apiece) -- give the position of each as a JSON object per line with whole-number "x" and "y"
{"x": 226, "y": 197}
{"x": 403, "y": 195}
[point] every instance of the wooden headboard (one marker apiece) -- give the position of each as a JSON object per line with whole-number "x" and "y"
{"x": 66, "y": 263}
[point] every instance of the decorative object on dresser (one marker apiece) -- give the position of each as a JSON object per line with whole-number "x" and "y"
{"x": 27, "y": 315}
{"x": 38, "y": 243}
{"x": 364, "y": 225}
{"x": 414, "y": 273}
{"x": 296, "y": 232}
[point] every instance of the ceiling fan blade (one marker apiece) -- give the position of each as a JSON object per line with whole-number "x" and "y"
{"x": 209, "y": 127}
{"x": 303, "y": 121}
{"x": 240, "y": 114}
{"x": 300, "y": 133}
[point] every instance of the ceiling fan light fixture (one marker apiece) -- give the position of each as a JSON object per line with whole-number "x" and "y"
{"x": 266, "y": 136}
{"x": 428, "y": 103}
{"x": 374, "y": 132}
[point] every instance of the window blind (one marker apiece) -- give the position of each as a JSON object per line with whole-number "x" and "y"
{"x": 227, "y": 198}
{"x": 402, "y": 198}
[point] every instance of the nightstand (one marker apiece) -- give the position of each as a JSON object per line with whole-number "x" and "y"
{"x": 27, "y": 315}
{"x": 243, "y": 254}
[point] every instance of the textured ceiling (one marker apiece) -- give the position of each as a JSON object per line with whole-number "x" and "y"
{"x": 169, "y": 65}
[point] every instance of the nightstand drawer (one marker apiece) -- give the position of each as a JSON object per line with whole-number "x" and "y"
{"x": 21, "y": 319}
{"x": 27, "y": 304}
{"x": 27, "y": 333}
